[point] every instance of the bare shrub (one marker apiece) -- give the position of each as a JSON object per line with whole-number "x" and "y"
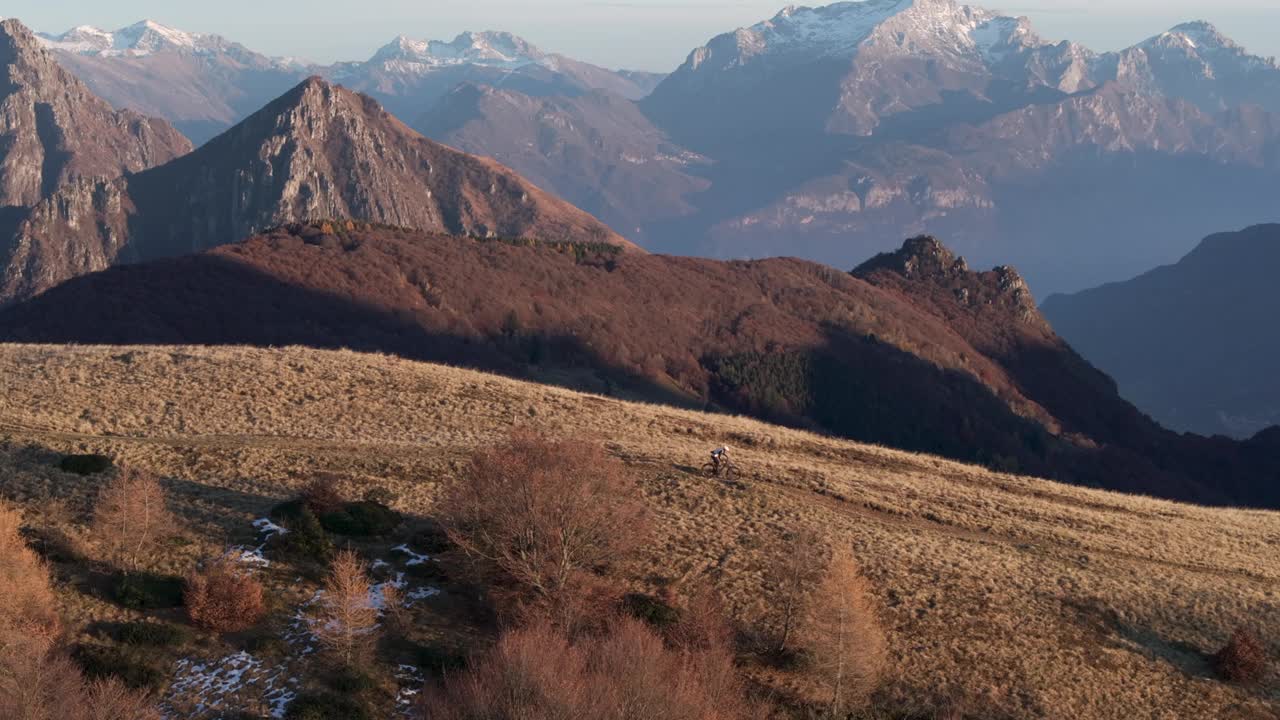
{"x": 792, "y": 573}
{"x": 223, "y": 597}
{"x": 395, "y": 610}
{"x": 27, "y": 601}
{"x": 703, "y": 623}
{"x": 543, "y": 517}
{"x": 322, "y": 495}
{"x": 625, "y": 674}
{"x": 131, "y": 517}
{"x": 844, "y": 635}
{"x": 1242, "y": 660}
{"x": 346, "y": 620}
{"x": 37, "y": 679}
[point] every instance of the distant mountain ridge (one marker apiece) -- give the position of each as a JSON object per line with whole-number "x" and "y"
{"x": 204, "y": 83}
{"x": 318, "y": 151}
{"x": 871, "y": 120}
{"x": 1194, "y": 343}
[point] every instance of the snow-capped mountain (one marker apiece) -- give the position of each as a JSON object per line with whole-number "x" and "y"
{"x": 147, "y": 38}
{"x": 410, "y": 76}
{"x": 865, "y": 121}
{"x": 490, "y": 49}
{"x": 201, "y": 82}
{"x": 1196, "y": 62}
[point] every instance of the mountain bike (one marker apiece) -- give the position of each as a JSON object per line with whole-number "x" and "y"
{"x": 725, "y": 470}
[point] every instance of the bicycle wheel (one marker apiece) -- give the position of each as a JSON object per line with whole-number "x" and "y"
{"x": 729, "y": 471}
{"x": 709, "y": 470}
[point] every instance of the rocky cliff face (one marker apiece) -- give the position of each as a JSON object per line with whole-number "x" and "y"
{"x": 319, "y": 151}
{"x": 54, "y": 130}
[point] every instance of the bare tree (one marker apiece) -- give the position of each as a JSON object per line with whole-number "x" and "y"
{"x": 793, "y": 572}
{"x": 346, "y": 621}
{"x": 38, "y": 681}
{"x": 844, "y": 635}
{"x": 131, "y": 517}
{"x": 543, "y": 517}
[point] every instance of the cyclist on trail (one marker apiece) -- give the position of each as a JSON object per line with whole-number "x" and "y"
{"x": 719, "y": 458}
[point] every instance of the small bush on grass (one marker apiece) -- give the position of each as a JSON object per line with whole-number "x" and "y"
{"x": 85, "y": 464}
{"x": 147, "y": 591}
{"x": 1243, "y": 660}
{"x": 129, "y": 667}
{"x": 305, "y": 541}
{"x": 653, "y": 611}
{"x": 223, "y": 597}
{"x": 361, "y": 519}
{"x": 327, "y": 706}
{"x": 153, "y": 634}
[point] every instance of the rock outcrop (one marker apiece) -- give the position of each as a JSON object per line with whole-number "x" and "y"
{"x": 54, "y": 130}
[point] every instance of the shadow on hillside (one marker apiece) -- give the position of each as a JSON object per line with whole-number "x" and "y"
{"x": 848, "y": 384}
{"x": 211, "y": 300}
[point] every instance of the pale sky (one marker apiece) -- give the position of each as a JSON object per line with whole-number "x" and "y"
{"x": 641, "y": 34}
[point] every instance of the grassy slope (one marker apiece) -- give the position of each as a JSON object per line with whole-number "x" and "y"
{"x": 1042, "y": 599}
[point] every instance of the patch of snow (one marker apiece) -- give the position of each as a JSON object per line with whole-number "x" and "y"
{"x": 414, "y": 558}
{"x": 268, "y": 528}
{"x": 216, "y": 684}
{"x": 410, "y": 680}
{"x": 252, "y": 557}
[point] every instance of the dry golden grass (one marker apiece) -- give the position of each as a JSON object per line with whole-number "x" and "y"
{"x": 1027, "y": 598}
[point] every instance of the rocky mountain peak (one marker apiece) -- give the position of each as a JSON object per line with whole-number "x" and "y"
{"x": 57, "y": 130}
{"x": 919, "y": 258}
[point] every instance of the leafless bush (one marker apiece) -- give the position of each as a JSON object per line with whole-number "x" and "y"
{"x": 628, "y": 673}
{"x": 131, "y": 517}
{"x": 37, "y": 680}
{"x": 844, "y": 635}
{"x": 223, "y": 597}
{"x": 1242, "y": 660}
{"x": 346, "y": 621}
{"x": 322, "y": 495}
{"x": 793, "y": 571}
{"x": 543, "y": 518}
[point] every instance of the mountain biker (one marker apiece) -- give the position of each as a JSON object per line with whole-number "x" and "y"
{"x": 720, "y": 458}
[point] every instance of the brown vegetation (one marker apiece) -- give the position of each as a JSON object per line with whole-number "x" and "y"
{"x": 131, "y": 517}
{"x": 626, "y": 674}
{"x": 1049, "y": 581}
{"x": 223, "y": 597}
{"x": 1242, "y": 660}
{"x": 797, "y": 565}
{"x": 844, "y": 636}
{"x": 38, "y": 681}
{"x": 882, "y": 357}
{"x": 541, "y": 518}
{"x": 345, "y": 620}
